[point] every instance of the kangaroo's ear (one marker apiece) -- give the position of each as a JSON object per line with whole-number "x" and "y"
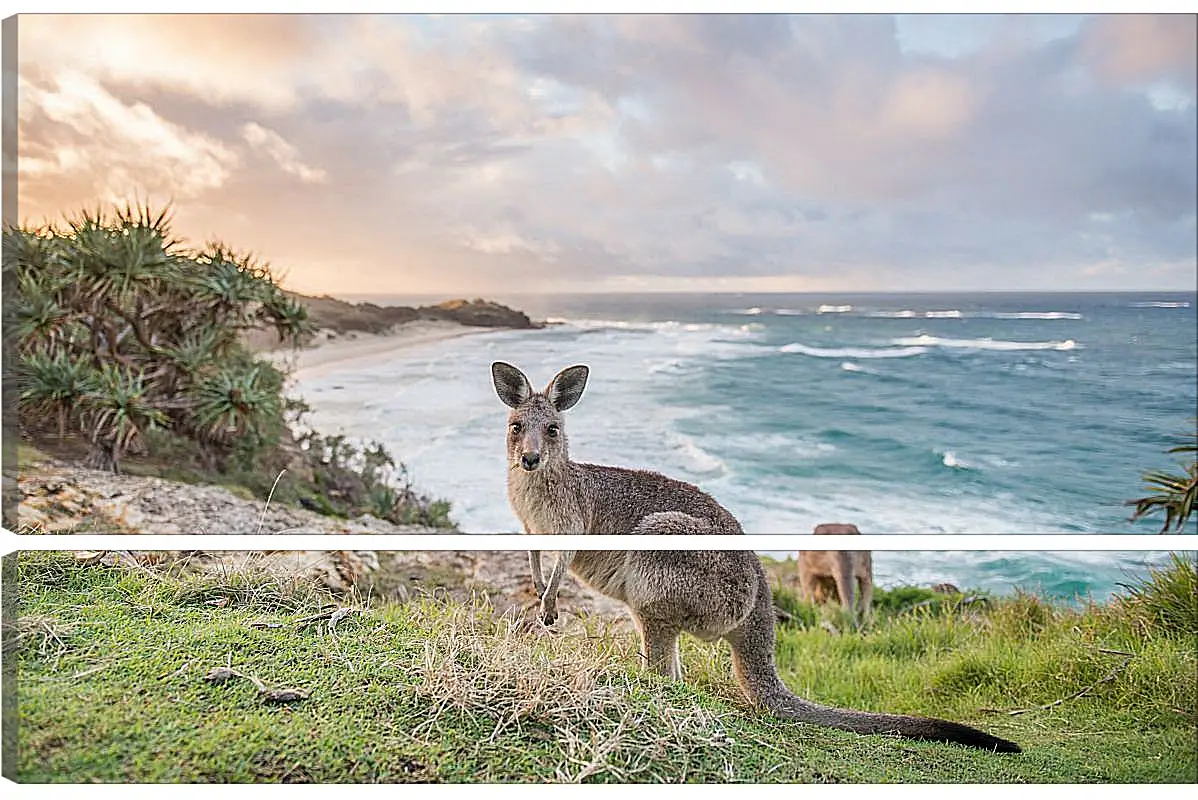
{"x": 566, "y": 387}
{"x": 510, "y": 384}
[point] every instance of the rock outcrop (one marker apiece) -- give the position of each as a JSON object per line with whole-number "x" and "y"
{"x": 478, "y": 312}
{"x": 339, "y": 316}
{"x": 62, "y": 498}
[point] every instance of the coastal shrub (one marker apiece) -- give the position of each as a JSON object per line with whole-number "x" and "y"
{"x": 349, "y": 481}
{"x": 1166, "y": 601}
{"x": 133, "y": 342}
{"x": 888, "y": 604}
{"x": 796, "y": 612}
{"x": 119, "y": 329}
{"x": 917, "y": 599}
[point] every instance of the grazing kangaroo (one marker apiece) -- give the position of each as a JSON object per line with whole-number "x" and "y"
{"x": 711, "y": 594}
{"x": 850, "y": 573}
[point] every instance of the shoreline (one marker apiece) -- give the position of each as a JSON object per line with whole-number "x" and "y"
{"x": 330, "y": 350}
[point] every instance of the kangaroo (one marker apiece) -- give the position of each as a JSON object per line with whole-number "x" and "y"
{"x": 846, "y": 570}
{"x": 711, "y": 594}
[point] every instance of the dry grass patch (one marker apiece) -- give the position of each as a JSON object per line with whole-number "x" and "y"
{"x": 574, "y": 688}
{"x": 44, "y": 635}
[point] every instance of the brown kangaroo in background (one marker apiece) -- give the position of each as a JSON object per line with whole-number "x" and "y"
{"x": 851, "y": 573}
{"x": 712, "y": 594}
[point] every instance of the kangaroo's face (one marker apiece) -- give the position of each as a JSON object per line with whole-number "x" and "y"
{"x": 536, "y": 436}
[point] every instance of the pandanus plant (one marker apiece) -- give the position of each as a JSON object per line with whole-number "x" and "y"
{"x": 120, "y": 329}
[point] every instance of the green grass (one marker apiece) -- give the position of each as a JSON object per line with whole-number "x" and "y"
{"x": 111, "y": 664}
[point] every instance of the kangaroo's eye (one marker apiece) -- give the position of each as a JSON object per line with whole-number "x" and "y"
{"x": 552, "y": 431}
{"x": 516, "y": 427}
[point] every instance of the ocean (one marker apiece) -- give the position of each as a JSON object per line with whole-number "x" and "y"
{"x": 901, "y": 413}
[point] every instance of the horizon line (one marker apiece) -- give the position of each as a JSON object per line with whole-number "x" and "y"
{"x": 477, "y": 294}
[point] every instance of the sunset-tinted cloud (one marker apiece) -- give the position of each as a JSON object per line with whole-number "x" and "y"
{"x": 483, "y": 154}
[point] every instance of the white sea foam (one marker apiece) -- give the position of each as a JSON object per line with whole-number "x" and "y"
{"x": 694, "y": 459}
{"x": 950, "y": 460}
{"x": 833, "y": 309}
{"x": 1161, "y": 304}
{"x": 625, "y": 325}
{"x": 749, "y": 447}
{"x": 908, "y": 313}
{"x": 849, "y": 366}
{"x": 757, "y": 311}
{"x": 1028, "y": 314}
{"x": 879, "y": 507}
{"x": 852, "y": 352}
{"x": 683, "y": 338}
{"x": 925, "y": 340}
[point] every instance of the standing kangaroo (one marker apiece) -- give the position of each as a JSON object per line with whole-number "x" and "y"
{"x": 712, "y": 594}
{"x": 850, "y": 573}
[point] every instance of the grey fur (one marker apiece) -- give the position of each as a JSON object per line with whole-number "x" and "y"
{"x": 711, "y": 594}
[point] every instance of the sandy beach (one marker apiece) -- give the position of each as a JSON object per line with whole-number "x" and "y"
{"x": 330, "y": 349}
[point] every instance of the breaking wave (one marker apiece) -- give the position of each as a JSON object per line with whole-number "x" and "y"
{"x": 852, "y": 352}
{"x": 981, "y": 344}
{"x": 908, "y": 313}
{"x": 1030, "y": 315}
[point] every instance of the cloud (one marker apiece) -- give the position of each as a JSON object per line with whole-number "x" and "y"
{"x": 506, "y": 242}
{"x": 284, "y": 154}
{"x": 263, "y": 60}
{"x": 117, "y": 147}
{"x": 639, "y": 150}
{"x": 1140, "y": 48}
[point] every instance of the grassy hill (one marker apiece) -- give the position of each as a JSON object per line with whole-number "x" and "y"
{"x": 119, "y": 681}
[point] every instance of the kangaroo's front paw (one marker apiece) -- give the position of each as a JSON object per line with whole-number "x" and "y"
{"x": 548, "y": 611}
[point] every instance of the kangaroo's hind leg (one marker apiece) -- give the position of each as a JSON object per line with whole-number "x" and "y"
{"x": 659, "y": 647}
{"x": 866, "y": 601}
{"x": 807, "y": 584}
{"x": 846, "y": 584}
{"x": 659, "y": 618}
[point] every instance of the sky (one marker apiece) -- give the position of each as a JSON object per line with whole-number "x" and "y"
{"x": 505, "y": 154}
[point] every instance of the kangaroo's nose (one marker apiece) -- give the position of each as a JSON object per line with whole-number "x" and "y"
{"x": 530, "y": 461}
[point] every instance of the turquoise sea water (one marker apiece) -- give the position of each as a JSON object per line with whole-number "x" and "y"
{"x": 1029, "y": 413}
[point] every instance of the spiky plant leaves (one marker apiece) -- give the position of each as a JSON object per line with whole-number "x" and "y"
{"x": 237, "y": 400}
{"x": 196, "y": 349}
{"x": 1174, "y": 495}
{"x": 118, "y": 409}
{"x": 113, "y": 263}
{"x": 120, "y": 331}
{"x": 52, "y": 384}
{"x": 39, "y": 319}
{"x": 287, "y": 316}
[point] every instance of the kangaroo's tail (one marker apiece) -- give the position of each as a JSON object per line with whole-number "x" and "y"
{"x": 782, "y": 703}
{"x": 753, "y": 662}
